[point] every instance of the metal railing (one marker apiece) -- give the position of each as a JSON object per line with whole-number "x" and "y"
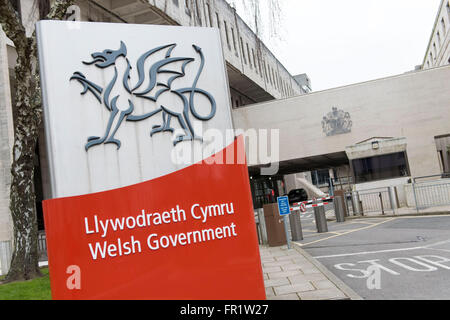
{"x": 431, "y": 177}
{"x": 431, "y": 195}
{"x": 42, "y": 246}
{"x": 377, "y": 201}
{"x": 361, "y": 202}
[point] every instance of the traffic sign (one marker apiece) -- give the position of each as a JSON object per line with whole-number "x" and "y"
{"x": 302, "y": 207}
{"x": 284, "y": 210}
{"x": 283, "y": 205}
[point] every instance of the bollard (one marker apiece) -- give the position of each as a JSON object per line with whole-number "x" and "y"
{"x": 393, "y": 199}
{"x": 339, "y": 209}
{"x": 381, "y": 202}
{"x": 356, "y": 203}
{"x": 321, "y": 220}
{"x": 296, "y": 226}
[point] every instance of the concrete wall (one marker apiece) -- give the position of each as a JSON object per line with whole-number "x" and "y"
{"x": 6, "y": 143}
{"x": 414, "y": 105}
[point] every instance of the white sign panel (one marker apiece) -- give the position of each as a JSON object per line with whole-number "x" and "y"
{"x": 128, "y": 103}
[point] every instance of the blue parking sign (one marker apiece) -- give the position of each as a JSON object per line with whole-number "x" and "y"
{"x": 283, "y": 205}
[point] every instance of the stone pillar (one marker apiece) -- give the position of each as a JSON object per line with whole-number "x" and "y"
{"x": 6, "y": 143}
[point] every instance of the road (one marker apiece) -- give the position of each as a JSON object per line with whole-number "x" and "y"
{"x": 385, "y": 258}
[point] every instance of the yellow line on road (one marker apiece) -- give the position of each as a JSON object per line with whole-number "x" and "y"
{"x": 343, "y": 231}
{"x": 363, "y": 222}
{"x": 341, "y": 234}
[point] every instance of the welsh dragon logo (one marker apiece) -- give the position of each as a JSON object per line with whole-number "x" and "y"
{"x": 148, "y": 86}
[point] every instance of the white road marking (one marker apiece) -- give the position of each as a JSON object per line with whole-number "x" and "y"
{"x": 366, "y": 252}
{"x": 445, "y": 250}
{"x": 337, "y": 235}
{"x": 388, "y": 250}
{"x": 437, "y": 243}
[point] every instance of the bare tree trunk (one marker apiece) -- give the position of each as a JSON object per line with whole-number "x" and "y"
{"x": 24, "y": 264}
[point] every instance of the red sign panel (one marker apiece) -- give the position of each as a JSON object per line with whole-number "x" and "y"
{"x": 187, "y": 235}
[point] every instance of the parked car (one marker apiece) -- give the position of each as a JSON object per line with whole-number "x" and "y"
{"x": 297, "y": 195}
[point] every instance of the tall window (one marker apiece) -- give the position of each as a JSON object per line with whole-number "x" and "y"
{"x": 217, "y": 20}
{"x": 226, "y": 34}
{"x": 248, "y": 55}
{"x": 259, "y": 67}
{"x": 265, "y": 72}
{"x": 208, "y": 13}
{"x": 243, "y": 52}
{"x": 234, "y": 40}
{"x": 197, "y": 10}
{"x": 254, "y": 61}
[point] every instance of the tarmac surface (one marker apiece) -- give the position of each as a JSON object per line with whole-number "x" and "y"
{"x": 385, "y": 258}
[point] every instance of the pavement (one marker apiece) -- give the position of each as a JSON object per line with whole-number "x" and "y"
{"x": 292, "y": 274}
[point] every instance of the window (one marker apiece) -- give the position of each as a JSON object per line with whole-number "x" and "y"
{"x": 175, "y": 2}
{"x": 199, "y": 16}
{"x": 254, "y": 61}
{"x": 248, "y": 55}
{"x": 226, "y": 34}
{"x": 217, "y": 20}
{"x": 265, "y": 72}
{"x": 187, "y": 7}
{"x": 443, "y": 25}
{"x": 259, "y": 66}
{"x": 320, "y": 177}
{"x": 234, "y": 41}
{"x": 242, "y": 50}
{"x": 382, "y": 167}
{"x": 271, "y": 75}
{"x": 439, "y": 39}
{"x": 208, "y": 12}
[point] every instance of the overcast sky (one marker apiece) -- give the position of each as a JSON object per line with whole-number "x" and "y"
{"x": 348, "y": 41}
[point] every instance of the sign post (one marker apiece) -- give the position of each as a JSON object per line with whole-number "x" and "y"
{"x": 284, "y": 210}
{"x": 138, "y": 206}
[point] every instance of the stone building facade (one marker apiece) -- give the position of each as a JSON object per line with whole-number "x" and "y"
{"x": 438, "y": 50}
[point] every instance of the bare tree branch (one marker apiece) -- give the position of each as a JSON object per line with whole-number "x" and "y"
{"x": 11, "y": 24}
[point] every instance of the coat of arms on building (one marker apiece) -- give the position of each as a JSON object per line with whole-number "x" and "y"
{"x": 336, "y": 122}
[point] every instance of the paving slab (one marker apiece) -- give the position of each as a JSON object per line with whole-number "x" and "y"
{"x": 292, "y": 274}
